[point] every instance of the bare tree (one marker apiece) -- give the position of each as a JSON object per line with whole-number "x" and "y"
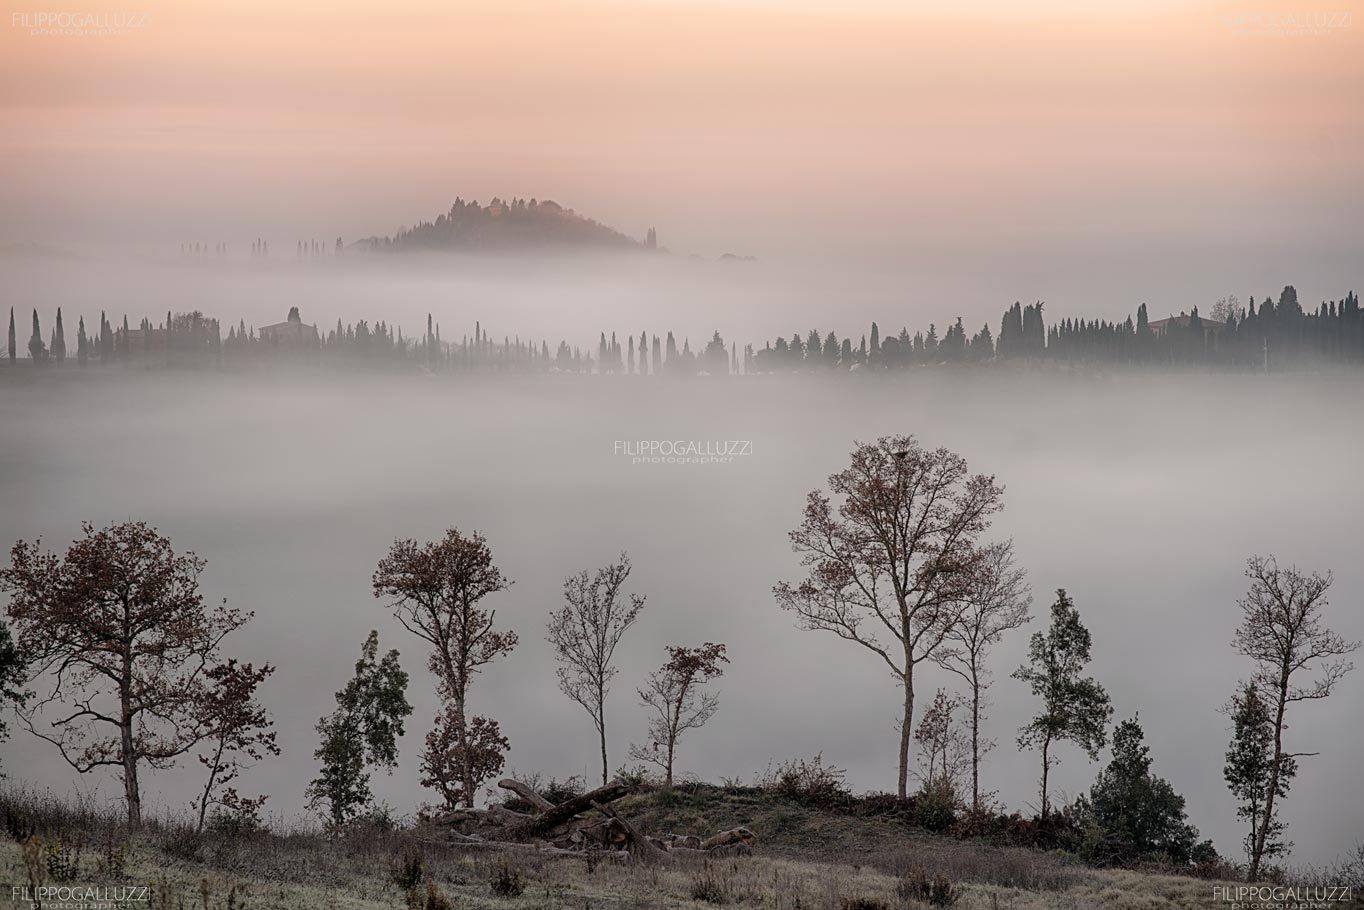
{"x": 674, "y": 693}
{"x": 1282, "y": 632}
{"x": 897, "y": 556}
{"x": 943, "y": 750}
{"x": 1227, "y": 307}
{"x": 585, "y": 634}
{"x": 122, "y": 636}
{"x": 435, "y": 591}
{"x": 1000, "y": 603}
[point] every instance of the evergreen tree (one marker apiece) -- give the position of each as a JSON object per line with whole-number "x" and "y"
{"x": 82, "y": 343}
{"x": 1249, "y": 772}
{"x": 716, "y": 357}
{"x": 37, "y": 351}
{"x": 362, "y": 731}
{"x": 829, "y": 352}
{"x": 813, "y": 348}
{"x": 59, "y": 339}
{"x": 1138, "y": 816}
{"x": 11, "y": 346}
{"x": 1075, "y": 708}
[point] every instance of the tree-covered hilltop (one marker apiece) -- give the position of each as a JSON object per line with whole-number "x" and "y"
{"x": 506, "y": 225}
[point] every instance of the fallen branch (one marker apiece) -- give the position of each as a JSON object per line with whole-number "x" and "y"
{"x": 525, "y": 792}
{"x": 550, "y": 819}
{"x": 642, "y": 847}
{"x": 739, "y": 835}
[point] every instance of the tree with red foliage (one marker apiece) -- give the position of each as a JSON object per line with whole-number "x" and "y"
{"x": 240, "y": 735}
{"x": 435, "y": 590}
{"x": 674, "y": 694}
{"x": 123, "y": 638}
{"x": 454, "y": 755}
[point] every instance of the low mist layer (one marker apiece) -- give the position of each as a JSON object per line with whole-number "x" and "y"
{"x": 1141, "y": 496}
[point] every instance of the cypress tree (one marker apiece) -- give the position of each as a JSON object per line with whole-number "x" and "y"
{"x": 37, "y": 351}
{"x": 59, "y": 339}
{"x": 12, "y": 352}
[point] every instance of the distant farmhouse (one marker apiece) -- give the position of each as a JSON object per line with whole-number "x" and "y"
{"x": 291, "y": 333}
{"x": 1162, "y": 326}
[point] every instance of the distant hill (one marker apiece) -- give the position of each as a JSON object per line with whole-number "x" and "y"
{"x": 506, "y": 225}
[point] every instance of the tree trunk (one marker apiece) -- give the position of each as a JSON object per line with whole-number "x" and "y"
{"x": 1046, "y": 767}
{"x": 601, "y": 723}
{"x": 466, "y": 769}
{"x": 127, "y": 747}
{"x": 525, "y": 792}
{"x": 1258, "y": 849}
{"x": 673, "y": 725}
{"x": 975, "y": 741}
{"x": 604, "y": 766}
{"x": 130, "y": 788}
{"x": 561, "y": 813}
{"x": 906, "y": 731}
{"x": 641, "y": 847}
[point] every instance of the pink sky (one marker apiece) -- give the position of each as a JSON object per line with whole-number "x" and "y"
{"x": 760, "y": 126}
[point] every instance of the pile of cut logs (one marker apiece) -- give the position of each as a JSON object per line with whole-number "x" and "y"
{"x": 585, "y": 825}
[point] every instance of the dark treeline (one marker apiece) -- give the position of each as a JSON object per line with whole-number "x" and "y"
{"x": 1272, "y": 334}
{"x": 1266, "y": 336}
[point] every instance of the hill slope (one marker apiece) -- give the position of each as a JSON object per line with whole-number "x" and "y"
{"x": 806, "y": 859}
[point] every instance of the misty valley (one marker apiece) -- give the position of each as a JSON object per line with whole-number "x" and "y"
{"x": 1140, "y": 494}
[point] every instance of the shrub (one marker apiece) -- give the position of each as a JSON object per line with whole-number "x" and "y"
{"x": 507, "y": 882}
{"x": 636, "y": 777}
{"x": 236, "y": 816}
{"x": 63, "y": 860}
{"x": 114, "y": 858}
{"x": 557, "y": 791}
{"x": 183, "y": 843}
{"x": 409, "y": 868}
{"x": 935, "y": 806}
{"x": 934, "y": 890}
{"x": 18, "y": 824}
{"x": 710, "y": 885}
{"x": 429, "y": 899}
{"x": 377, "y": 820}
{"x": 811, "y": 783}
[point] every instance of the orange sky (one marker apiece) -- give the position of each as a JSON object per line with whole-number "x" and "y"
{"x": 750, "y": 124}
